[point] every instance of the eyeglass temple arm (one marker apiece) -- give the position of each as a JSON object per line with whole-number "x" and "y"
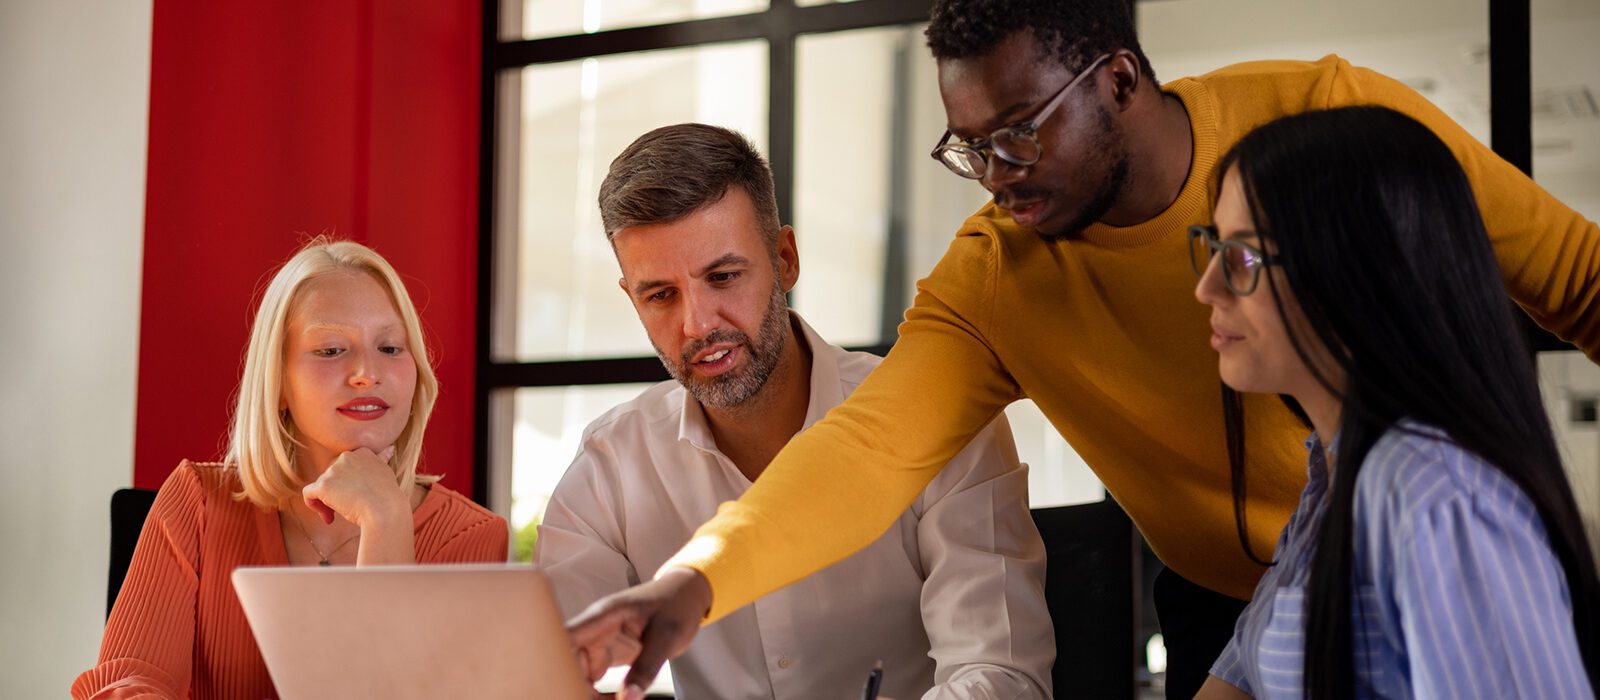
{"x": 1061, "y": 95}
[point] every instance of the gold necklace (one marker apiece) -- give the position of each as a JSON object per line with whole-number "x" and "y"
{"x": 323, "y": 558}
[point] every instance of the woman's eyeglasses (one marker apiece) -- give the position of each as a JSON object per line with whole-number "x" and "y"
{"x": 1241, "y": 262}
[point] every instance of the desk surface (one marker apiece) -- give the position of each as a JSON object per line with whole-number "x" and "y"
{"x": 660, "y": 688}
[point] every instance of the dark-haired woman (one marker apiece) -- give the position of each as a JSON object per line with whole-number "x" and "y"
{"x": 1436, "y": 550}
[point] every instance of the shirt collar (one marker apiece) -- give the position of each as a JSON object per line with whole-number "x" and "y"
{"x": 1312, "y": 441}
{"x": 826, "y": 392}
{"x": 693, "y": 427}
{"x": 1317, "y": 457}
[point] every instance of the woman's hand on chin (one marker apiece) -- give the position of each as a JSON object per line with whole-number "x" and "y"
{"x": 360, "y": 486}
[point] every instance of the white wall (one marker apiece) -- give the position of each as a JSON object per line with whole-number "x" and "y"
{"x": 74, "y": 96}
{"x": 1563, "y": 378}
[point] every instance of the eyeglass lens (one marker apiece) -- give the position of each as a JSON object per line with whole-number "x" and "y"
{"x": 1012, "y": 145}
{"x": 965, "y": 162}
{"x": 1016, "y": 147}
{"x": 1240, "y": 265}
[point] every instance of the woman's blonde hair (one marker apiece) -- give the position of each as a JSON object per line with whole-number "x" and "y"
{"x": 262, "y": 443}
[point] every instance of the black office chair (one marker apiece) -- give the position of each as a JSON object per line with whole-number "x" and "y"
{"x": 128, "y": 510}
{"x": 1092, "y": 588}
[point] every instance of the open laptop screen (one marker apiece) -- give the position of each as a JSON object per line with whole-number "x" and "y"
{"x": 477, "y": 630}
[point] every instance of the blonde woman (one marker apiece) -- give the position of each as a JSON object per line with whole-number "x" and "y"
{"x": 321, "y": 471}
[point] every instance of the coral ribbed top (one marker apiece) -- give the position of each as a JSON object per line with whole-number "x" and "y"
{"x": 177, "y": 630}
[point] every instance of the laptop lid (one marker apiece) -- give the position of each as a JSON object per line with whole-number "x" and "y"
{"x": 476, "y": 630}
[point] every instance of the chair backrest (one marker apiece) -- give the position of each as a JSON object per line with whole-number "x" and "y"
{"x": 1092, "y": 589}
{"x": 128, "y": 510}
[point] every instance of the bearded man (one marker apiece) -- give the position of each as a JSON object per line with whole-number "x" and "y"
{"x": 950, "y": 598}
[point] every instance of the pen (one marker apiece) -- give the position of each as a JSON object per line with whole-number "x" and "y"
{"x": 874, "y": 679}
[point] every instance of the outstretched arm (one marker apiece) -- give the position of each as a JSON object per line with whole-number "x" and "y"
{"x": 839, "y": 485}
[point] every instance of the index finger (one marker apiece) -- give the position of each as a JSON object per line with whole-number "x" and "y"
{"x": 640, "y": 675}
{"x": 599, "y": 622}
{"x": 656, "y": 646}
{"x": 312, "y": 495}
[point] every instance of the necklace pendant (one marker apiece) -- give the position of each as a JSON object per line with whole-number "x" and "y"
{"x": 324, "y": 562}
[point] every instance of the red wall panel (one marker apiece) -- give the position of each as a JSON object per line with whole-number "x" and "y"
{"x": 274, "y": 120}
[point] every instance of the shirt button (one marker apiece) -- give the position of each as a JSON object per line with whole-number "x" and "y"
{"x": 784, "y": 662}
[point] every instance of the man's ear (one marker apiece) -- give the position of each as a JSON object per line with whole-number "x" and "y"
{"x": 1126, "y": 75}
{"x": 788, "y": 258}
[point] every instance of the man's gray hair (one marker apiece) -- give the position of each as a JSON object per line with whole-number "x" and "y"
{"x": 674, "y": 171}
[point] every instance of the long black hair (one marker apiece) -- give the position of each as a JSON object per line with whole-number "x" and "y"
{"x": 1380, "y": 240}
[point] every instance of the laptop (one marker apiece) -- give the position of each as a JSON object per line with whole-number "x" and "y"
{"x": 468, "y": 631}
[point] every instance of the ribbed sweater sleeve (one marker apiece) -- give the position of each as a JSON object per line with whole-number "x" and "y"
{"x": 148, "y": 647}
{"x": 1549, "y": 254}
{"x": 462, "y": 532}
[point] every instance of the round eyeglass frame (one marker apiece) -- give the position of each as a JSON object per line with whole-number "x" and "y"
{"x": 974, "y": 154}
{"x": 1208, "y": 236}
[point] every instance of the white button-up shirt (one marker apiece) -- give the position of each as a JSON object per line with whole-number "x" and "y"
{"x": 951, "y": 598}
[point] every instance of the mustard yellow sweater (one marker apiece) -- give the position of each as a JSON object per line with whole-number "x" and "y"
{"x": 1105, "y": 335}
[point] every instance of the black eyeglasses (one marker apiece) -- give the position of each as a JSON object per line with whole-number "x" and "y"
{"x": 1241, "y": 262}
{"x": 1017, "y": 145}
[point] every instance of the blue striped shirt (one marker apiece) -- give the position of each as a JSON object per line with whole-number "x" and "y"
{"x": 1458, "y": 593}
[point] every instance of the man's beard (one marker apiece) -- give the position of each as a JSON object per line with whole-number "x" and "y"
{"x": 1111, "y": 144}
{"x": 739, "y": 385}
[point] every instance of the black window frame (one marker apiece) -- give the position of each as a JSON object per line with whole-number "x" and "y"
{"x": 780, "y": 25}
{"x": 1510, "y": 118}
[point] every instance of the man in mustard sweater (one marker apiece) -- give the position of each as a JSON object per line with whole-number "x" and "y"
{"x": 1073, "y": 288}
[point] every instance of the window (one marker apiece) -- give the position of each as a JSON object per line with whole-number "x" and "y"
{"x": 570, "y": 84}
{"x": 1564, "y": 151}
{"x": 1583, "y": 410}
{"x": 575, "y": 117}
{"x": 552, "y": 18}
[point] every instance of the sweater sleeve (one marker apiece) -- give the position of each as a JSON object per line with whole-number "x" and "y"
{"x": 462, "y": 532}
{"x": 148, "y": 646}
{"x": 1549, "y": 254}
{"x": 839, "y": 485}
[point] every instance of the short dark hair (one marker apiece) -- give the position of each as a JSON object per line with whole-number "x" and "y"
{"x": 1074, "y": 32}
{"x": 674, "y": 171}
